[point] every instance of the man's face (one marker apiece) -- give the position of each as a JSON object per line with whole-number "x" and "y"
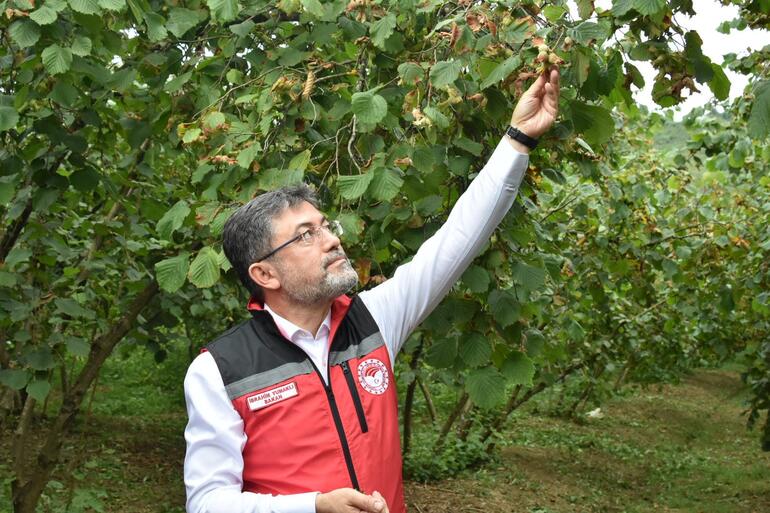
{"x": 313, "y": 273}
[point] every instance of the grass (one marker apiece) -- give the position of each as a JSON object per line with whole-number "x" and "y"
{"x": 674, "y": 448}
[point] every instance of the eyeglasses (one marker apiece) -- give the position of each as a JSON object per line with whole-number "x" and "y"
{"x": 309, "y": 237}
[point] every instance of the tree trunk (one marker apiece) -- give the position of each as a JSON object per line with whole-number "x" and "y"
{"x": 515, "y": 401}
{"x": 428, "y": 400}
{"x": 28, "y": 486}
{"x": 409, "y": 400}
{"x": 459, "y": 407}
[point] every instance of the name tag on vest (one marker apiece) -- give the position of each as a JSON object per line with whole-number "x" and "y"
{"x": 269, "y": 397}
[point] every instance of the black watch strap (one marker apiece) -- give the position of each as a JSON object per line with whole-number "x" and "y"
{"x": 517, "y": 135}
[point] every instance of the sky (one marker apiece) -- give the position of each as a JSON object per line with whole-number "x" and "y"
{"x": 709, "y": 15}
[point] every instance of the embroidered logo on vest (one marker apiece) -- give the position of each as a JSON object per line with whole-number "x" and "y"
{"x": 373, "y": 376}
{"x": 272, "y": 396}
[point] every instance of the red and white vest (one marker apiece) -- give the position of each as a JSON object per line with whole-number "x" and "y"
{"x": 303, "y": 435}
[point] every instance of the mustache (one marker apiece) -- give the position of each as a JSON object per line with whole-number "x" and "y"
{"x": 333, "y": 257}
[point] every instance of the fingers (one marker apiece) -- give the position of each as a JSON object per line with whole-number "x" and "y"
{"x": 378, "y": 496}
{"x": 367, "y": 503}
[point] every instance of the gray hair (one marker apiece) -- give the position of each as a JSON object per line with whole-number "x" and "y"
{"x": 248, "y": 233}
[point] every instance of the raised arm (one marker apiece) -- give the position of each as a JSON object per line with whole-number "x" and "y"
{"x": 402, "y": 302}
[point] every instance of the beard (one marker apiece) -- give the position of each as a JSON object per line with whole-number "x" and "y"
{"x": 332, "y": 284}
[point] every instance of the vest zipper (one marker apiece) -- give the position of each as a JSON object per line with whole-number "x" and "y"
{"x": 338, "y": 424}
{"x": 355, "y": 396}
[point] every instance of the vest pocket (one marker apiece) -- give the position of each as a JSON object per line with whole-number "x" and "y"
{"x": 354, "y": 394}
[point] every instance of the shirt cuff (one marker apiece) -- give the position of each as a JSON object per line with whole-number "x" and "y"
{"x": 295, "y": 503}
{"x": 507, "y": 165}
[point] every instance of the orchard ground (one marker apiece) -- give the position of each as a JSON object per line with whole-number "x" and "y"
{"x": 668, "y": 448}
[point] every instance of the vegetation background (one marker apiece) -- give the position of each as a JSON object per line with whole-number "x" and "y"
{"x": 636, "y": 252}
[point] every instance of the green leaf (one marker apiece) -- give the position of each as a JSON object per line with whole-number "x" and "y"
{"x": 180, "y": 20}
{"x": 429, "y": 205}
{"x": 475, "y": 349}
{"x": 176, "y": 83}
{"x": 353, "y": 186}
{"x": 530, "y": 277}
{"x": 385, "y": 184}
{"x": 501, "y": 72}
{"x": 243, "y": 29}
{"x": 39, "y": 358}
{"x": 594, "y": 122}
{"x": 438, "y": 117}
{"x": 8, "y": 118}
{"x": 648, "y": 7}
{"x": 759, "y": 119}
{"x": 214, "y": 120}
{"x": 171, "y": 273}
{"x": 112, "y": 5}
{"x": 15, "y": 379}
{"x": 477, "y": 279}
{"x": 370, "y": 108}
{"x": 173, "y": 219}
{"x": 81, "y": 46}
{"x": 588, "y": 32}
{"x": 16, "y": 256}
{"x": 57, "y": 5}
{"x": 72, "y": 308}
{"x": 719, "y": 84}
{"x": 519, "y": 369}
{"x": 24, "y": 33}
{"x": 534, "y": 343}
{"x": 300, "y": 161}
{"x": 326, "y": 11}
{"x": 410, "y": 72}
{"x": 204, "y": 270}
{"x": 585, "y": 8}
{"x": 57, "y": 59}
{"x": 442, "y": 353}
{"x": 247, "y": 155}
{"x": 486, "y": 387}
{"x": 78, "y": 346}
{"x": 382, "y": 29}
{"x": 504, "y": 307}
{"x": 444, "y": 73}
{"x": 156, "y": 29}
{"x": 191, "y": 135}
{"x": 621, "y": 7}
{"x": 223, "y": 10}
{"x": 44, "y": 15}
{"x": 85, "y": 6}
{"x": 39, "y": 389}
{"x": 471, "y": 147}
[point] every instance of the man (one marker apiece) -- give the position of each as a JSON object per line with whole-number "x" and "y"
{"x": 295, "y": 410}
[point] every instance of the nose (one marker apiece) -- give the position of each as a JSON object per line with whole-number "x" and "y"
{"x": 329, "y": 240}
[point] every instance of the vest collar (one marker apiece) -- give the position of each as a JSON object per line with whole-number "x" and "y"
{"x": 340, "y": 307}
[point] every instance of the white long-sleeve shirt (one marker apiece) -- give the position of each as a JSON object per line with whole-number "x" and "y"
{"x": 215, "y": 438}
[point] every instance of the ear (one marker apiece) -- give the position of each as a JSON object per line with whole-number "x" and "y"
{"x": 264, "y": 275}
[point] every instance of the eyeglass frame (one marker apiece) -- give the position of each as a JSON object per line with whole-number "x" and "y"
{"x": 333, "y": 227}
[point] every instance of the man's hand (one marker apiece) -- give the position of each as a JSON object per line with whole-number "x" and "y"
{"x": 538, "y": 106}
{"x": 347, "y": 500}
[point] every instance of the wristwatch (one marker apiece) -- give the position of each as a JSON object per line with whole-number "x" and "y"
{"x": 517, "y": 135}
